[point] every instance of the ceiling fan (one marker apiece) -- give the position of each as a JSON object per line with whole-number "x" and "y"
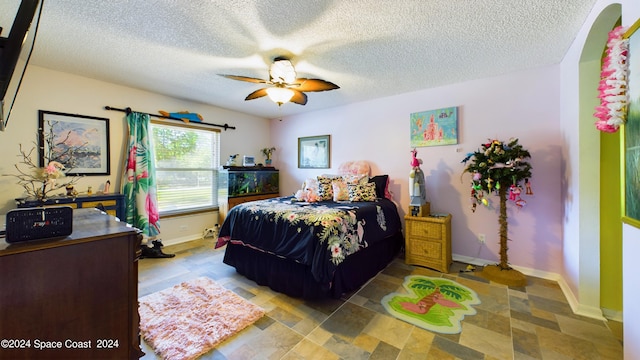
{"x": 284, "y": 86}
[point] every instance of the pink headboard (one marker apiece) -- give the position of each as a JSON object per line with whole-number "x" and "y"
{"x": 354, "y": 168}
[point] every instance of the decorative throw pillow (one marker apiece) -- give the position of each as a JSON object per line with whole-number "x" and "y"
{"x": 382, "y": 186}
{"x": 309, "y": 191}
{"x": 362, "y": 192}
{"x": 331, "y": 176}
{"x": 325, "y": 189}
{"x": 310, "y": 184}
{"x": 340, "y": 190}
{"x": 355, "y": 179}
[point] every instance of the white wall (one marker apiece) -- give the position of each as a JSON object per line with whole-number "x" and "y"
{"x": 523, "y": 105}
{"x": 44, "y": 89}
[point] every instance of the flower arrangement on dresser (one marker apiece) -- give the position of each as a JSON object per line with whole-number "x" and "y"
{"x": 40, "y": 181}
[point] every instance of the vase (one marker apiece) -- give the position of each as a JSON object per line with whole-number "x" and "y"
{"x": 267, "y": 162}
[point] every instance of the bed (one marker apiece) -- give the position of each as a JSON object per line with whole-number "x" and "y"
{"x": 318, "y": 249}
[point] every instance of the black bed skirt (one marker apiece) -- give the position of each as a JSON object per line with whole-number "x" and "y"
{"x": 296, "y": 280}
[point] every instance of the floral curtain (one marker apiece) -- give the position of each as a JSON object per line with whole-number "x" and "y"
{"x": 139, "y": 182}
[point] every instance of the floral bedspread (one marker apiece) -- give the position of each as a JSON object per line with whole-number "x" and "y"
{"x": 319, "y": 234}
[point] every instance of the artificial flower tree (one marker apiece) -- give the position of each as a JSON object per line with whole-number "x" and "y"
{"x": 500, "y": 168}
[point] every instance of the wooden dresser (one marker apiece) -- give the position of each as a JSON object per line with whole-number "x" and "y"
{"x": 428, "y": 241}
{"x": 77, "y": 297}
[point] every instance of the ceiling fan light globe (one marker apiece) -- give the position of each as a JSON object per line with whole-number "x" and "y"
{"x": 280, "y": 95}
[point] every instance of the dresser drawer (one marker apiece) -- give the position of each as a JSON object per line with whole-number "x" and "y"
{"x": 426, "y": 229}
{"x": 92, "y": 204}
{"x": 71, "y": 205}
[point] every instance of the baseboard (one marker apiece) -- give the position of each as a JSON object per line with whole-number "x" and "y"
{"x": 614, "y": 315}
{"x": 576, "y": 307}
{"x": 182, "y": 239}
{"x": 472, "y": 261}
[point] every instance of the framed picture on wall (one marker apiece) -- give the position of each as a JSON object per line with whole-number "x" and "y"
{"x": 631, "y": 132}
{"x": 314, "y": 152}
{"x": 80, "y": 143}
{"x": 434, "y": 127}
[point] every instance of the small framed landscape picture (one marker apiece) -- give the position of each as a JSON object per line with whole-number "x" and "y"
{"x": 314, "y": 152}
{"x": 80, "y": 143}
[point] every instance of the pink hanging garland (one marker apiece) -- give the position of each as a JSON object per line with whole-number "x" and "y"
{"x": 613, "y": 83}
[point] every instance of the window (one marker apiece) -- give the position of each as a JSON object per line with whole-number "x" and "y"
{"x": 187, "y": 158}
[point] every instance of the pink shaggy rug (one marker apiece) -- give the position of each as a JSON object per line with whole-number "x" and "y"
{"x": 191, "y": 318}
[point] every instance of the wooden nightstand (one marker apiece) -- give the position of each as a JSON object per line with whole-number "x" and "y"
{"x": 428, "y": 241}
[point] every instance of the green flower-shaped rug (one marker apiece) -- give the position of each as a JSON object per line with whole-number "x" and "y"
{"x": 435, "y": 304}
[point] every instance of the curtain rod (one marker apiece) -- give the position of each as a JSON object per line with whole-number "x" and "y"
{"x": 128, "y": 111}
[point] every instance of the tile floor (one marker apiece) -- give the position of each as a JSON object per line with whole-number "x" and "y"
{"x": 534, "y": 322}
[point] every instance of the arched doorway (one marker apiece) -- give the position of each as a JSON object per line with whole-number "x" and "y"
{"x": 609, "y": 212}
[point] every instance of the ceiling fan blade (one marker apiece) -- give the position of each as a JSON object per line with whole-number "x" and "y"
{"x": 256, "y": 94}
{"x": 303, "y": 84}
{"x": 246, "y": 78}
{"x": 299, "y": 97}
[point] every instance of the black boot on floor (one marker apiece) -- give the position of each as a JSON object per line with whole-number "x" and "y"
{"x": 154, "y": 252}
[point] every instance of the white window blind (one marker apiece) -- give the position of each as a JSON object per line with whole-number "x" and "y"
{"x": 187, "y": 158}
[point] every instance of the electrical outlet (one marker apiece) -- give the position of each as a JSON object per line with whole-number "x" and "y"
{"x": 482, "y": 238}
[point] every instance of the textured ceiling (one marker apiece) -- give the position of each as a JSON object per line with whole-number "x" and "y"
{"x": 370, "y": 48}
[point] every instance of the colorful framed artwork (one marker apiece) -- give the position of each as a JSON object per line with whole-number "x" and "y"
{"x": 80, "y": 143}
{"x": 314, "y": 152}
{"x": 434, "y": 127}
{"x": 631, "y": 133}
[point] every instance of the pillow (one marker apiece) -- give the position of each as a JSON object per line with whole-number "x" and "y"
{"x": 325, "y": 188}
{"x": 310, "y": 184}
{"x": 309, "y": 191}
{"x": 331, "y": 176}
{"x": 356, "y": 179}
{"x": 382, "y": 186}
{"x": 340, "y": 190}
{"x": 362, "y": 192}
{"x": 354, "y": 167}
{"x": 339, "y": 185}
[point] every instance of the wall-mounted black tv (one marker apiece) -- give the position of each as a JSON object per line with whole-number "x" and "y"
{"x": 15, "y": 51}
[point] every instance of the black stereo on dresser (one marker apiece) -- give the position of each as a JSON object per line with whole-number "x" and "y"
{"x": 38, "y": 223}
